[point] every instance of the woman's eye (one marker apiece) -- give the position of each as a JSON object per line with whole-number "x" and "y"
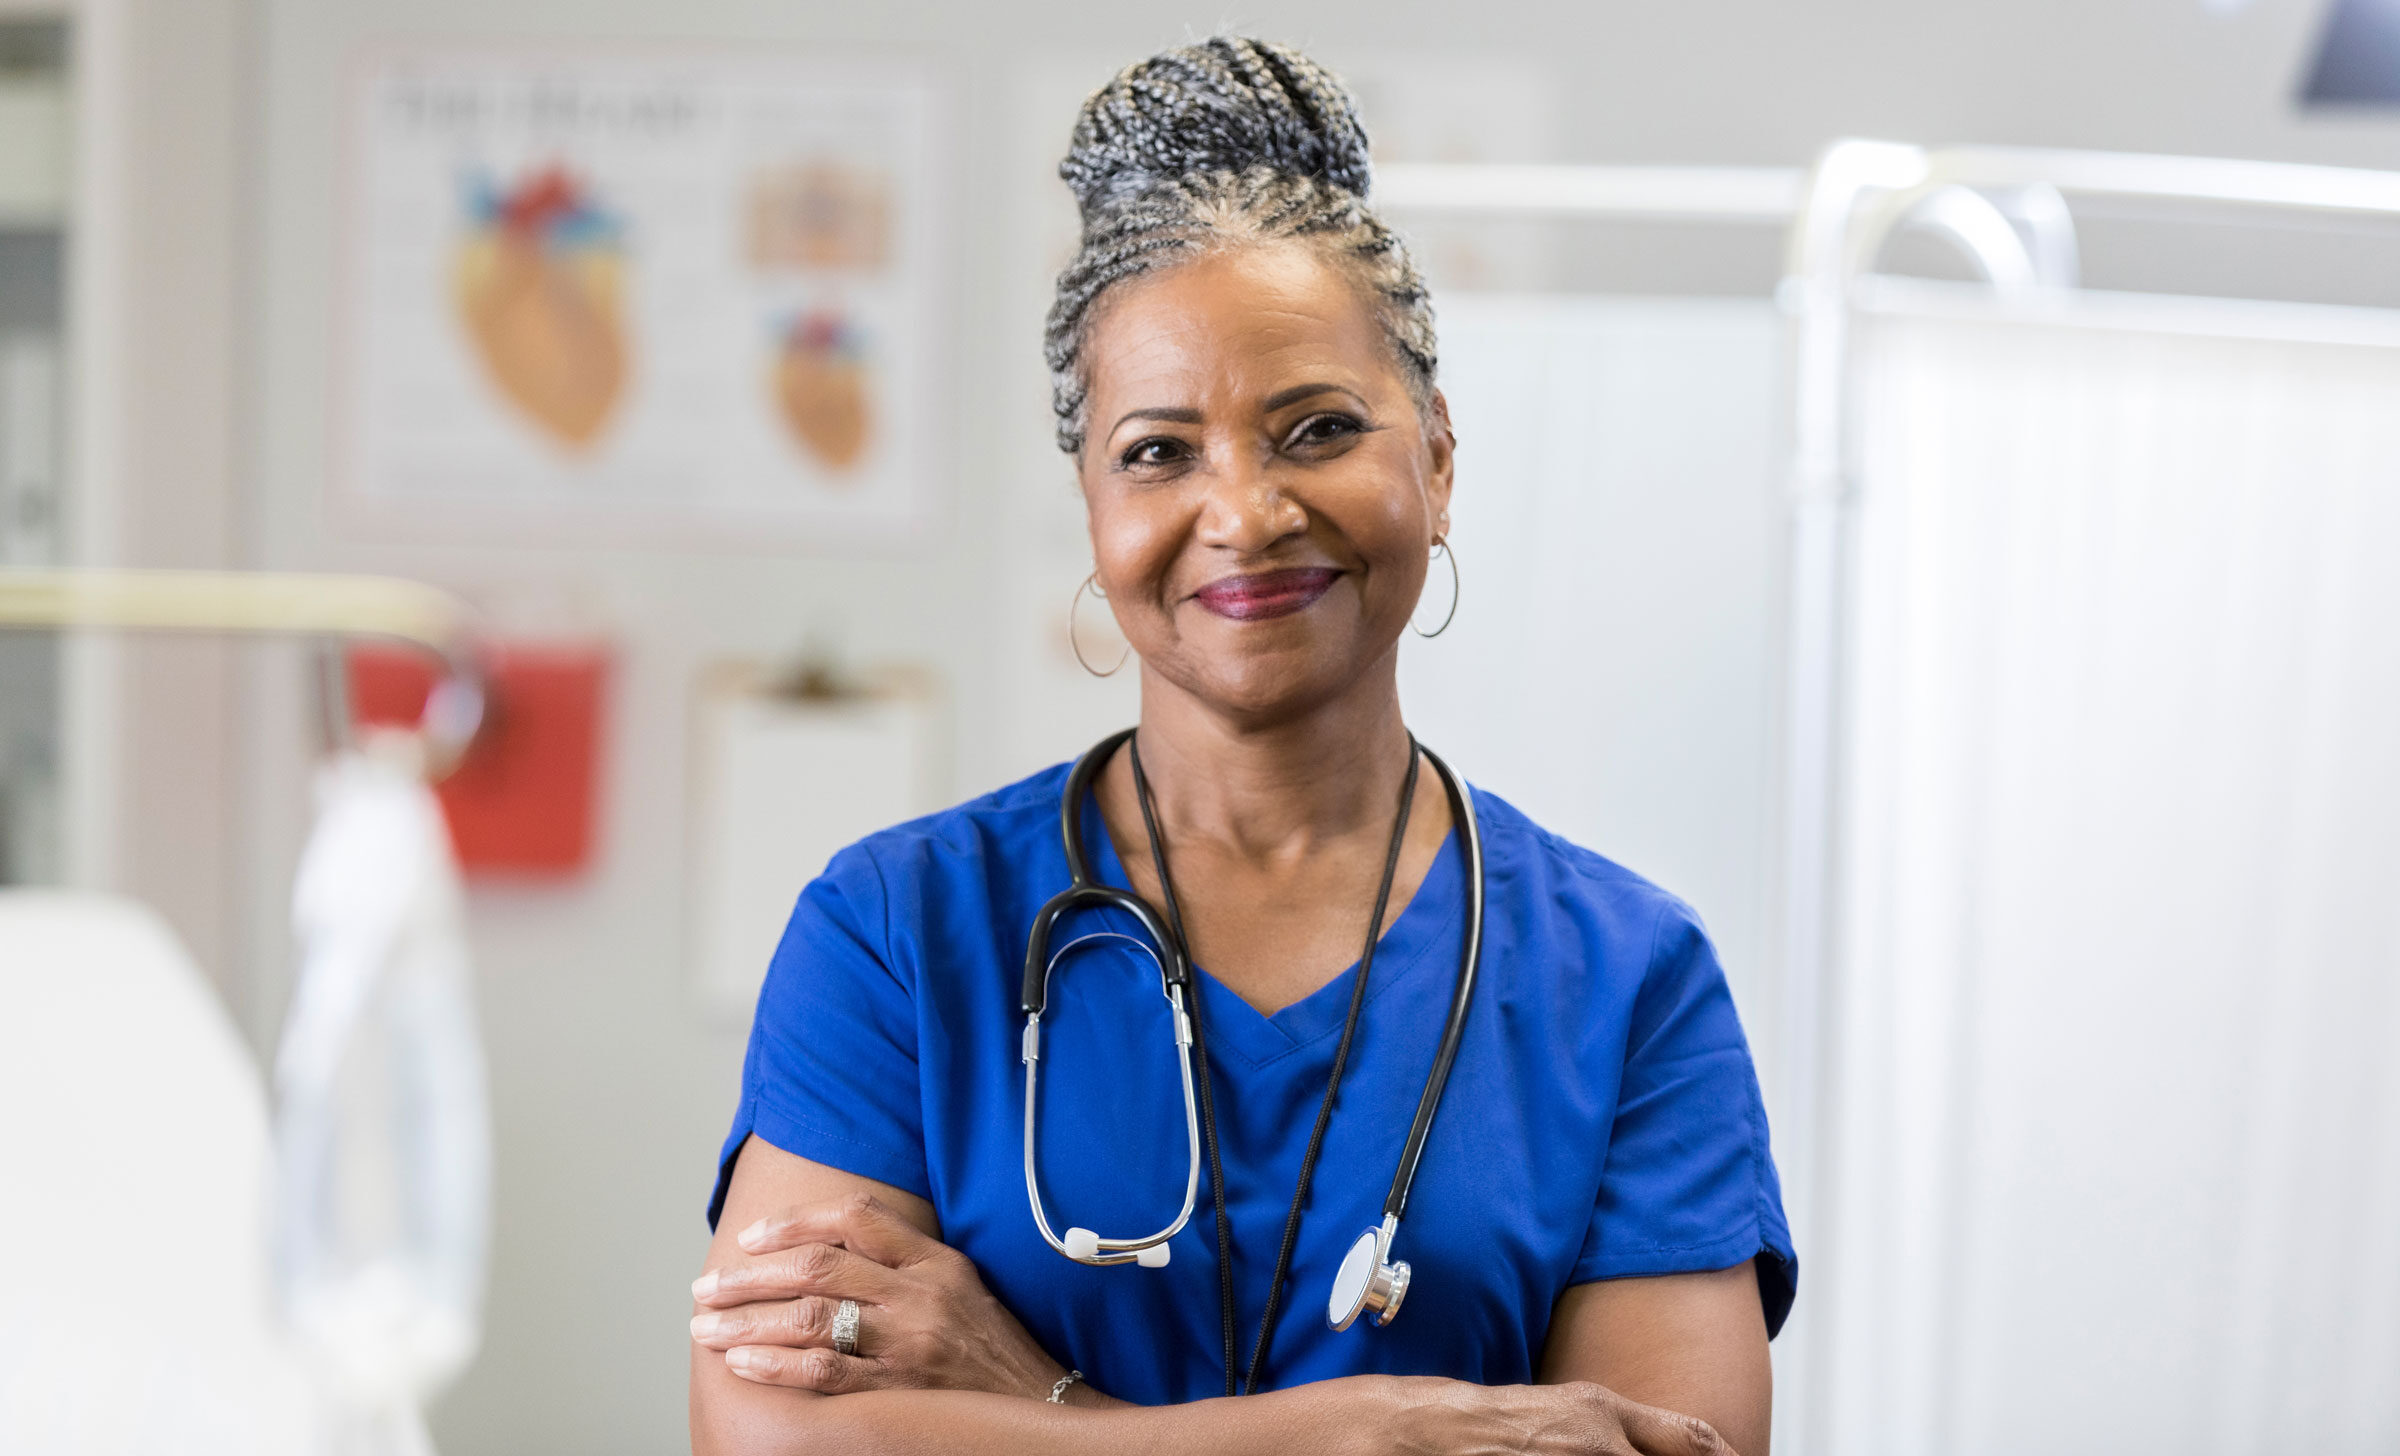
{"x": 1324, "y": 430}
{"x": 1153, "y": 452}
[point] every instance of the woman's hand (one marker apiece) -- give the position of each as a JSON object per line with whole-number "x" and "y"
{"x": 1455, "y": 1418}
{"x": 926, "y": 1322}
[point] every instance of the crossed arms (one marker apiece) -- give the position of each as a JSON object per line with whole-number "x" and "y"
{"x": 1668, "y": 1366}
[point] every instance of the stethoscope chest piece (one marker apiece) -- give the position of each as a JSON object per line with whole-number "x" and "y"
{"x": 1367, "y": 1281}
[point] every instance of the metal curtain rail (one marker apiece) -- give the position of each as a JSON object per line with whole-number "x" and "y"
{"x": 282, "y": 603}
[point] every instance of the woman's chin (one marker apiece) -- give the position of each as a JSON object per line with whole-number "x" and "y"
{"x": 1260, "y": 673}
{"x": 1266, "y": 688}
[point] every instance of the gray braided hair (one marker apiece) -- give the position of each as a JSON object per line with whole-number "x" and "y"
{"x": 1228, "y": 142}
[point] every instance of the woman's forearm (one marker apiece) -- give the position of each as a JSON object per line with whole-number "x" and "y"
{"x": 1334, "y": 1417}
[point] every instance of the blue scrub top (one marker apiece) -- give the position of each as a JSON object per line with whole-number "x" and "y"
{"x": 1602, "y": 1119}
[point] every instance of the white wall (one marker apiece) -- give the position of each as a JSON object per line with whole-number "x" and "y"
{"x": 610, "y": 1093}
{"x": 1611, "y": 667}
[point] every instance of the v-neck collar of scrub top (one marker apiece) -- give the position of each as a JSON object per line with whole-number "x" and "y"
{"x": 1238, "y": 1031}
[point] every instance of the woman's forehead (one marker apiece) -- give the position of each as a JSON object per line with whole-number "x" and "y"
{"x": 1234, "y": 321}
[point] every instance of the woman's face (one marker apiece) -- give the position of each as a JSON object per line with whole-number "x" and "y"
{"x": 1262, "y": 492}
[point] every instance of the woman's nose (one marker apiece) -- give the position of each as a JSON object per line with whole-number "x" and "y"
{"x": 1248, "y": 510}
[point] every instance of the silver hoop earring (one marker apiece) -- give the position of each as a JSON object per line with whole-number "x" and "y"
{"x": 1092, "y": 584}
{"x": 1442, "y": 545}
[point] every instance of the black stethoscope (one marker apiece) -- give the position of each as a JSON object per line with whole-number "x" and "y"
{"x": 1369, "y": 1280}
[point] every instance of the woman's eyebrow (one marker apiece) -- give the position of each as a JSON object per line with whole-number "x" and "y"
{"x": 1299, "y": 392}
{"x": 1170, "y": 414}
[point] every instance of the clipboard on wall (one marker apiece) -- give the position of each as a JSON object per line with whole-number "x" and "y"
{"x": 784, "y": 776}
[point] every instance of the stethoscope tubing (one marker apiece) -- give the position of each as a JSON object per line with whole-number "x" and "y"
{"x": 1174, "y": 972}
{"x": 1115, "y": 1251}
{"x": 1166, "y": 951}
{"x": 1454, "y": 1027}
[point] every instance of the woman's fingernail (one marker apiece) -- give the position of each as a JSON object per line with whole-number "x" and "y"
{"x": 744, "y": 1357}
{"x": 705, "y": 1325}
{"x": 705, "y": 1285}
{"x": 753, "y": 1234}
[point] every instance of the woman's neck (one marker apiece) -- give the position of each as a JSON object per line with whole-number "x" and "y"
{"x": 1265, "y": 792}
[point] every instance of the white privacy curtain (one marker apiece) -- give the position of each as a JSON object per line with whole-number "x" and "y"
{"x": 2114, "y": 1154}
{"x": 1610, "y": 667}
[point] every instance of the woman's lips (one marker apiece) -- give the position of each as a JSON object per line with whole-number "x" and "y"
{"x": 1266, "y": 594}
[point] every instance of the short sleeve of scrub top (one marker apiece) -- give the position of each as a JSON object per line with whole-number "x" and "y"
{"x": 1603, "y": 1119}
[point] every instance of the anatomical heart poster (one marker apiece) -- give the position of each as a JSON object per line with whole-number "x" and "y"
{"x": 640, "y": 296}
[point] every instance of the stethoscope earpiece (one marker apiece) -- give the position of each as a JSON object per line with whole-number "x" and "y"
{"x": 1083, "y": 1246}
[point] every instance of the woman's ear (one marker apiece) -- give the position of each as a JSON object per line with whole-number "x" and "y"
{"x": 1441, "y": 448}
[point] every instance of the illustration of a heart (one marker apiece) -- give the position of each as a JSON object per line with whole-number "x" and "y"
{"x": 821, "y": 387}
{"x": 820, "y": 214}
{"x": 540, "y": 279}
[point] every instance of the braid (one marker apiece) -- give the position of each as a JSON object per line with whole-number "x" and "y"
{"x": 1217, "y": 145}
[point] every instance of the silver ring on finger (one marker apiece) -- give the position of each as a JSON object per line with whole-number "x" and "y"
{"x": 845, "y": 1327}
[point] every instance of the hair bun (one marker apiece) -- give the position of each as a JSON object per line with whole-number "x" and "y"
{"x": 1225, "y": 105}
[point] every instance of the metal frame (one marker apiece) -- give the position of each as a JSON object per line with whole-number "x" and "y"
{"x": 282, "y": 603}
{"x": 1860, "y": 194}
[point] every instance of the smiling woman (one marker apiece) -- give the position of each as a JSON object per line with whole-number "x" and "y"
{"x": 1244, "y": 371}
{"x": 1256, "y": 371}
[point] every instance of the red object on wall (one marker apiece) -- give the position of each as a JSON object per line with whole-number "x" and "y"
{"x": 524, "y": 800}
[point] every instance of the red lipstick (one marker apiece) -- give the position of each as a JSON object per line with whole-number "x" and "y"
{"x": 1261, "y": 595}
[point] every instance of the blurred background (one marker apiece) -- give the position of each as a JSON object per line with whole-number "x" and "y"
{"x": 1961, "y": 575}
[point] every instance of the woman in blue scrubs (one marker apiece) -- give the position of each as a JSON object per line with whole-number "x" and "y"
{"x": 1243, "y": 359}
